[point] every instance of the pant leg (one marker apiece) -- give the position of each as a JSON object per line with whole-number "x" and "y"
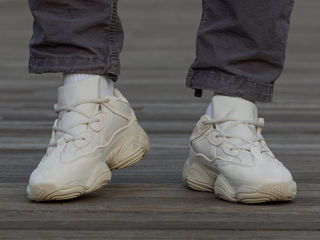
{"x": 75, "y": 37}
{"x": 241, "y": 47}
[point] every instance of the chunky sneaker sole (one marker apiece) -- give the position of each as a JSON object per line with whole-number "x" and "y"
{"x": 126, "y": 151}
{"x": 100, "y": 176}
{"x": 133, "y": 146}
{"x": 200, "y": 177}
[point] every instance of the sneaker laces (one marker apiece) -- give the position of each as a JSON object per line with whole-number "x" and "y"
{"x": 72, "y": 108}
{"x": 243, "y": 145}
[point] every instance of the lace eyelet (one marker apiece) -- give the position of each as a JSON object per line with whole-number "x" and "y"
{"x": 98, "y": 123}
{"x": 84, "y": 139}
{"x": 227, "y": 148}
{"x": 215, "y": 139}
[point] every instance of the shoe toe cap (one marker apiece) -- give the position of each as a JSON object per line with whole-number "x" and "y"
{"x": 40, "y": 187}
{"x": 41, "y": 192}
{"x": 282, "y": 191}
{"x": 277, "y": 183}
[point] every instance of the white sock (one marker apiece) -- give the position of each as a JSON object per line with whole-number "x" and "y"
{"x": 106, "y": 85}
{"x": 209, "y": 111}
{"x": 75, "y": 77}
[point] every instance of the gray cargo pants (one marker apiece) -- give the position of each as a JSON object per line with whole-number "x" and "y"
{"x": 240, "y": 46}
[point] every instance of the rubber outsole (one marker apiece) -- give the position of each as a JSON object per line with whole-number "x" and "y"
{"x": 131, "y": 151}
{"x": 201, "y": 178}
{"x": 99, "y": 177}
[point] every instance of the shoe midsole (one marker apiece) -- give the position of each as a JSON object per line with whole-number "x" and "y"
{"x": 200, "y": 162}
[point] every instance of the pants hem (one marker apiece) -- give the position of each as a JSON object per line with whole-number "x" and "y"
{"x": 90, "y": 65}
{"x": 222, "y": 83}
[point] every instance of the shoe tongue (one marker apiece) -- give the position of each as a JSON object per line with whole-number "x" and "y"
{"x": 74, "y": 93}
{"x": 79, "y": 91}
{"x": 237, "y": 109}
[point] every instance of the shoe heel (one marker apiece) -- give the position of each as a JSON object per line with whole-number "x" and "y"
{"x": 132, "y": 150}
{"x": 198, "y": 176}
{"x": 100, "y": 177}
{"x": 223, "y": 189}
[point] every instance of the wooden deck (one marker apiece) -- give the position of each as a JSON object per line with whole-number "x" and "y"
{"x": 149, "y": 200}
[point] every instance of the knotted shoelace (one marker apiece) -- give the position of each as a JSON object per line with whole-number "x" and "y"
{"x": 241, "y": 146}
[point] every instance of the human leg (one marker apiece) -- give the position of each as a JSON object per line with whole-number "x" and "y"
{"x": 96, "y": 131}
{"x": 240, "y": 54}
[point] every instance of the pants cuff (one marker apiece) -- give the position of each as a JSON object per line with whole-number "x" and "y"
{"x": 47, "y": 64}
{"x": 230, "y": 85}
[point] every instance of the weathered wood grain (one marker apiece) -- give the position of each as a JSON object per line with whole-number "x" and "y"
{"x": 149, "y": 200}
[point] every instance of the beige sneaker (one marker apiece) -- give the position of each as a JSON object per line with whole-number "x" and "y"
{"x": 229, "y": 156}
{"x": 91, "y": 136}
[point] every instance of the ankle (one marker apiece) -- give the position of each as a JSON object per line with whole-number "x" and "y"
{"x": 209, "y": 110}
{"x": 106, "y": 85}
{"x": 234, "y": 97}
{"x": 71, "y": 78}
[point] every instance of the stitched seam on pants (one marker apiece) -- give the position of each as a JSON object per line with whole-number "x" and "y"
{"x": 192, "y": 73}
{"x": 57, "y": 59}
{"x": 43, "y": 64}
{"x": 204, "y": 11}
{"x": 112, "y": 38}
{"x": 229, "y": 84}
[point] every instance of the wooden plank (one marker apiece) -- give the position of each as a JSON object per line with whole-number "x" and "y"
{"x": 161, "y": 234}
{"x": 149, "y": 200}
